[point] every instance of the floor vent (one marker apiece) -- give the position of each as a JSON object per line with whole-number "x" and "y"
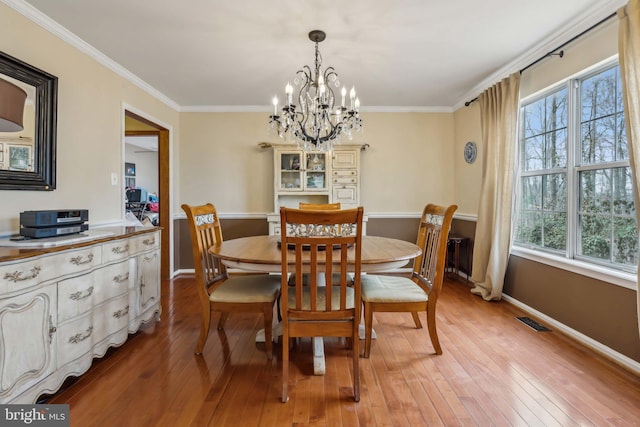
{"x": 533, "y": 324}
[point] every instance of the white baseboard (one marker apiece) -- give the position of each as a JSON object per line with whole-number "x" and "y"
{"x": 594, "y": 345}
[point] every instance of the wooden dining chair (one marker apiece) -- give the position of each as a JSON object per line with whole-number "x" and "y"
{"x": 216, "y": 289}
{"x": 420, "y": 292}
{"x": 331, "y": 241}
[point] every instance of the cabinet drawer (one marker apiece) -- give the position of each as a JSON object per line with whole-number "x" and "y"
{"x": 345, "y": 180}
{"x": 20, "y": 275}
{"x": 343, "y": 173}
{"x": 75, "y": 338}
{"x": 75, "y": 296}
{"x": 111, "y": 317}
{"x": 79, "y": 294}
{"x": 347, "y": 194}
{"x": 115, "y": 280}
{"x": 146, "y": 242}
{"x": 122, "y": 249}
{"x": 118, "y": 249}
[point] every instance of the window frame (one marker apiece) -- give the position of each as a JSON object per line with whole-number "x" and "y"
{"x": 568, "y": 259}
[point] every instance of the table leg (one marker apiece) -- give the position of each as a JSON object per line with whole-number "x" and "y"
{"x": 317, "y": 343}
{"x": 361, "y": 332}
{"x": 276, "y": 332}
{"x": 319, "y": 366}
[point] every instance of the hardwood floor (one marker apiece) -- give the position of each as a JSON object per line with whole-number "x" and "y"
{"x": 494, "y": 371}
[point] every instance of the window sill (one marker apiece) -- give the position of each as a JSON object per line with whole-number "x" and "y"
{"x": 619, "y": 278}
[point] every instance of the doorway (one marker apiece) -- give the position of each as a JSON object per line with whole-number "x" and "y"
{"x": 137, "y": 126}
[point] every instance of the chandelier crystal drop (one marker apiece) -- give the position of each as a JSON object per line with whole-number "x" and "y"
{"x": 317, "y": 122}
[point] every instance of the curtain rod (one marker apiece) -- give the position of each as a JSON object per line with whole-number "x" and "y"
{"x": 553, "y": 52}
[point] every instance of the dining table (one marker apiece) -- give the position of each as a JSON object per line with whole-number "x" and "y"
{"x": 262, "y": 254}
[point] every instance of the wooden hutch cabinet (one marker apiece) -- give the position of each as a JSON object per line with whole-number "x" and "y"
{"x": 314, "y": 177}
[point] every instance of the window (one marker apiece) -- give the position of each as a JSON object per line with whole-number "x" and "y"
{"x": 575, "y": 193}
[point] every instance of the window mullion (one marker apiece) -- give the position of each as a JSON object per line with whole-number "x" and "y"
{"x": 573, "y": 144}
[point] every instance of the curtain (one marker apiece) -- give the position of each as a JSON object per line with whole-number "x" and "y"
{"x": 629, "y": 58}
{"x": 499, "y": 120}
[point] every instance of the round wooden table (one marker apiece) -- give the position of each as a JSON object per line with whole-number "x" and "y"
{"x": 262, "y": 253}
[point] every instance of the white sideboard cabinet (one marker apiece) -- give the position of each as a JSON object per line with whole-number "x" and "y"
{"x": 61, "y": 307}
{"x": 314, "y": 177}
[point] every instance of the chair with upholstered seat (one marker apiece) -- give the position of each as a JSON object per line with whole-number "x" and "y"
{"x": 331, "y": 241}
{"x": 218, "y": 291}
{"x": 420, "y": 292}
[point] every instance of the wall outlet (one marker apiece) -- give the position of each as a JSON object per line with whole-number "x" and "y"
{"x": 114, "y": 178}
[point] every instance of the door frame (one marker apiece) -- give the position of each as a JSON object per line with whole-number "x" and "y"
{"x": 163, "y": 133}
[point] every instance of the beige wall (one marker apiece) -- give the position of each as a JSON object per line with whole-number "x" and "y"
{"x": 220, "y": 162}
{"x": 468, "y": 179}
{"x": 595, "y": 46}
{"x": 407, "y": 164}
{"x": 90, "y": 125}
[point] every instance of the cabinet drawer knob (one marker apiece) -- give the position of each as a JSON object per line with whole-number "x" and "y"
{"x": 77, "y": 338}
{"x": 77, "y": 296}
{"x": 120, "y": 249}
{"x": 17, "y": 276}
{"x": 120, "y": 278}
{"x": 149, "y": 242}
{"x": 121, "y": 313}
{"x": 78, "y": 260}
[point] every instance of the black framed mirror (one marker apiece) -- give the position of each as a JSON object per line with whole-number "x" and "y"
{"x": 28, "y": 157}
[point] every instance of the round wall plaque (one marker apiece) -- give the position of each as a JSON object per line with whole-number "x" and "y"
{"x": 470, "y": 152}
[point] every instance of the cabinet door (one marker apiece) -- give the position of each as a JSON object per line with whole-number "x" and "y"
{"x": 347, "y": 195}
{"x": 316, "y": 172}
{"x": 345, "y": 159}
{"x": 27, "y": 329}
{"x": 149, "y": 283}
{"x": 290, "y": 169}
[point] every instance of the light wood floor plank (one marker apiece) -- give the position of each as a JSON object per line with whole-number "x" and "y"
{"x": 494, "y": 371}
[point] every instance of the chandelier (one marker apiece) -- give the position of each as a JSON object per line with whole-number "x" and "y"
{"x": 317, "y": 122}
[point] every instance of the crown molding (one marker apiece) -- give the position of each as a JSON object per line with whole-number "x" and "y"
{"x": 581, "y": 23}
{"x": 268, "y": 109}
{"x": 67, "y": 36}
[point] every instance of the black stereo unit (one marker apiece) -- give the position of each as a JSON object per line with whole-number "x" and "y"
{"x": 39, "y": 219}
{"x": 42, "y": 232}
{"x": 41, "y": 224}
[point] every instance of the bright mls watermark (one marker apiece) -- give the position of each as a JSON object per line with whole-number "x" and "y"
{"x": 34, "y": 415}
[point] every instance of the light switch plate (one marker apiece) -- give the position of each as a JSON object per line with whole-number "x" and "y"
{"x": 114, "y": 178}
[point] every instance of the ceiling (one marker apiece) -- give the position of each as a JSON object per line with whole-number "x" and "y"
{"x": 413, "y": 55}
{"x": 143, "y": 143}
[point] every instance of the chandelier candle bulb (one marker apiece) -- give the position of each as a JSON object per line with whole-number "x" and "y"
{"x": 344, "y": 94}
{"x": 289, "y": 91}
{"x": 275, "y": 105}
